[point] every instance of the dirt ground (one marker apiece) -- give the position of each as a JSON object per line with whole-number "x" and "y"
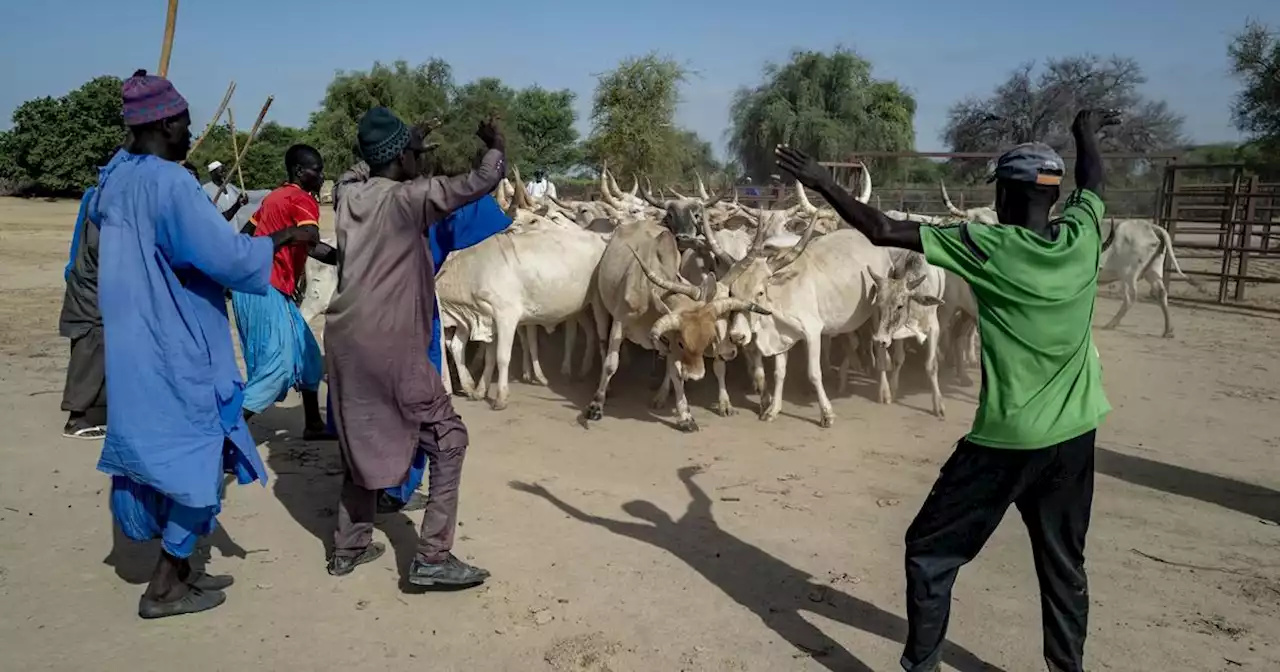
{"x": 602, "y": 559}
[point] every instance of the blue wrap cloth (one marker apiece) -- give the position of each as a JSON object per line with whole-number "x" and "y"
{"x": 280, "y": 352}
{"x": 75, "y": 233}
{"x": 467, "y": 226}
{"x": 174, "y": 425}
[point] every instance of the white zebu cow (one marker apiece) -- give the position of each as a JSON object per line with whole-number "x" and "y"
{"x": 535, "y": 276}
{"x": 907, "y": 303}
{"x": 821, "y": 287}
{"x": 1135, "y": 249}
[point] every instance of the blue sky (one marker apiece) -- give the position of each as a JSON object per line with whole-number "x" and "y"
{"x": 942, "y": 51}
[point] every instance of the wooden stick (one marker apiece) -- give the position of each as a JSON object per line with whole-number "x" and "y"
{"x": 226, "y": 99}
{"x": 166, "y": 48}
{"x": 253, "y": 132}
{"x": 231, "y": 123}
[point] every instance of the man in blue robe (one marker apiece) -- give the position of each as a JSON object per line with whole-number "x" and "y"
{"x": 174, "y": 426}
{"x": 469, "y": 225}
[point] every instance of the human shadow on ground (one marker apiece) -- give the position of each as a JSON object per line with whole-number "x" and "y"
{"x": 773, "y": 590}
{"x": 134, "y": 561}
{"x": 1253, "y": 500}
{"x": 307, "y": 479}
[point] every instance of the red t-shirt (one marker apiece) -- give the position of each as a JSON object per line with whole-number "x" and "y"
{"x": 287, "y": 206}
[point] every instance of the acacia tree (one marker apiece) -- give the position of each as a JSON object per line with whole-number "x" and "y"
{"x": 1255, "y": 60}
{"x": 827, "y": 105}
{"x": 633, "y": 112}
{"x": 1039, "y": 106}
{"x": 263, "y": 165}
{"x": 57, "y": 144}
{"x": 544, "y": 121}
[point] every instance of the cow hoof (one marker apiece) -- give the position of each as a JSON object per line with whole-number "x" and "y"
{"x": 498, "y": 405}
{"x": 1109, "y": 326}
{"x": 688, "y": 425}
{"x": 595, "y": 411}
{"x": 725, "y": 409}
{"x": 828, "y": 421}
{"x": 768, "y": 415}
{"x": 1167, "y": 334}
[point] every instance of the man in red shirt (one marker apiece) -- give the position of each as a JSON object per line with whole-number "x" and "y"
{"x": 279, "y": 349}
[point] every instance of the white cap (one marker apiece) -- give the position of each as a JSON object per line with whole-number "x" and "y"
{"x": 215, "y": 165}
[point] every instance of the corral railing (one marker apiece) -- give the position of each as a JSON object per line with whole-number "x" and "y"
{"x": 1225, "y": 224}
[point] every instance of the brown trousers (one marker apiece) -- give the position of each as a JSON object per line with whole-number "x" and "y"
{"x": 357, "y": 505}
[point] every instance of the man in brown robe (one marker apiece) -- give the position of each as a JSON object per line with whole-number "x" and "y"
{"x": 388, "y": 400}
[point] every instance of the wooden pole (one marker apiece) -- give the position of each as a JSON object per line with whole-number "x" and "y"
{"x": 226, "y": 99}
{"x": 253, "y": 132}
{"x": 231, "y": 123}
{"x": 166, "y": 48}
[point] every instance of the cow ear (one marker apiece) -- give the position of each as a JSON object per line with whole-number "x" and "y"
{"x": 926, "y": 299}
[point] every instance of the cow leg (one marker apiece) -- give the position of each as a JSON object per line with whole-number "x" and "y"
{"x": 931, "y": 364}
{"x": 570, "y": 327}
{"x": 477, "y": 360}
{"x": 659, "y": 399}
{"x": 961, "y": 344}
{"x": 608, "y": 367}
{"x": 1130, "y": 286}
{"x": 779, "y": 377}
{"x": 485, "y": 380}
{"x": 724, "y": 407}
{"x": 589, "y": 352}
{"x": 813, "y": 344}
{"x": 534, "y": 373}
{"x": 684, "y": 418}
{"x": 458, "y": 353}
{"x": 755, "y": 363}
{"x": 897, "y": 361}
{"x": 825, "y": 350}
{"x": 852, "y": 346}
{"x": 1156, "y": 277}
{"x": 503, "y": 342}
{"x": 882, "y": 368}
{"x": 526, "y": 364}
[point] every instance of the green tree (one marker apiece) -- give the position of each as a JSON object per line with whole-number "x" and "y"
{"x": 1255, "y": 60}
{"x": 469, "y": 103}
{"x": 633, "y": 113}
{"x": 263, "y": 165}
{"x": 56, "y": 144}
{"x": 414, "y": 94}
{"x": 1031, "y": 107}
{"x": 826, "y": 104}
{"x": 694, "y": 155}
{"x": 544, "y": 122}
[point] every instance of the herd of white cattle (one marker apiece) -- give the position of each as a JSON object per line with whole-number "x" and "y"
{"x": 701, "y": 277}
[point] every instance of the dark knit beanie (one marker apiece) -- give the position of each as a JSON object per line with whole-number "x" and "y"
{"x": 381, "y": 137}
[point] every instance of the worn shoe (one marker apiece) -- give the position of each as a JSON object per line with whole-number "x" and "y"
{"x": 452, "y": 572}
{"x": 210, "y": 581}
{"x": 194, "y": 602}
{"x": 342, "y": 565}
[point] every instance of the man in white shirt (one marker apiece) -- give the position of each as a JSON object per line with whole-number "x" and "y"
{"x": 540, "y": 187}
{"x": 218, "y": 176}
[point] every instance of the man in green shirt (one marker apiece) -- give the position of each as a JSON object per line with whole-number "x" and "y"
{"x": 1032, "y": 443}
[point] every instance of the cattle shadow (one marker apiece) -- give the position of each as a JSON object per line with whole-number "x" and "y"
{"x": 770, "y": 588}
{"x": 134, "y": 561}
{"x": 307, "y": 481}
{"x": 1253, "y": 500}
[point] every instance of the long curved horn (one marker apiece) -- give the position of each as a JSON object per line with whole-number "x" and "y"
{"x": 604, "y": 187}
{"x": 522, "y": 198}
{"x": 702, "y": 189}
{"x": 808, "y": 207}
{"x": 731, "y": 304}
{"x": 648, "y": 197}
{"x": 500, "y": 194}
{"x": 713, "y": 244}
{"x": 635, "y": 185}
{"x": 690, "y": 291}
{"x": 559, "y": 203}
{"x": 757, "y": 241}
{"x": 677, "y": 194}
{"x": 789, "y": 257}
{"x": 946, "y": 199}
{"x": 719, "y": 197}
{"x": 668, "y": 322}
{"x": 613, "y": 184}
{"x": 865, "y": 196}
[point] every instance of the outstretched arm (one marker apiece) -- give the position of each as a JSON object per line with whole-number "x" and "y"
{"x": 1090, "y": 173}
{"x": 875, "y": 225}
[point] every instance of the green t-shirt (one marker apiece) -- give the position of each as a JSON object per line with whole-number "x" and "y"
{"x": 1041, "y": 380}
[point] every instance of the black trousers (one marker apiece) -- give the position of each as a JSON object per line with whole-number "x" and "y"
{"x": 85, "y": 392}
{"x": 1053, "y": 490}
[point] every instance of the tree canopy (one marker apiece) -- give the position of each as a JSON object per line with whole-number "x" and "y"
{"x": 56, "y": 144}
{"x": 826, "y": 104}
{"x": 1040, "y": 104}
{"x": 1255, "y": 60}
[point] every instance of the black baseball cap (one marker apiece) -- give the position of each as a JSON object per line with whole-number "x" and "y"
{"x": 1033, "y": 162}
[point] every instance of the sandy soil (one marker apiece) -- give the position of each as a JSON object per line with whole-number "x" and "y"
{"x": 793, "y": 562}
